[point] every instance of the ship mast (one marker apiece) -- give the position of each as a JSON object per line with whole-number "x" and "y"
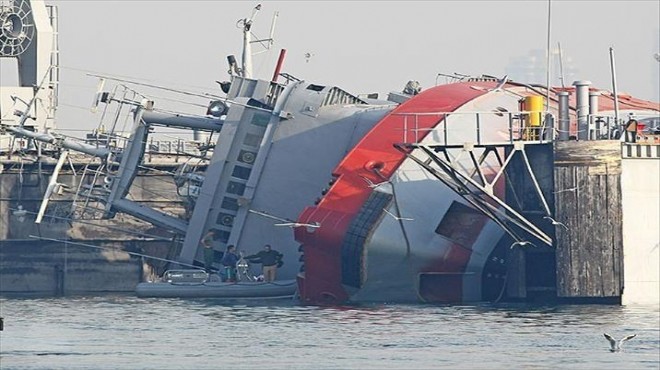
{"x": 247, "y": 41}
{"x": 246, "y": 63}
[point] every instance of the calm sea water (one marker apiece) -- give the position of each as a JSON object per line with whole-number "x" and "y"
{"x": 121, "y": 332}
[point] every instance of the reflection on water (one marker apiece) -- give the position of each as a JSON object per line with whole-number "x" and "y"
{"x": 120, "y": 332}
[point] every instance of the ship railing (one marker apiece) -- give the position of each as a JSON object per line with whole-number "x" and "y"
{"x": 172, "y": 146}
{"x": 608, "y": 127}
{"x": 178, "y": 147}
{"x": 528, "y": 126}
{"x": 603, "y": 127}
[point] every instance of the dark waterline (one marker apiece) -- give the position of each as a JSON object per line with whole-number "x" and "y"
{"x": 125, "y": 332}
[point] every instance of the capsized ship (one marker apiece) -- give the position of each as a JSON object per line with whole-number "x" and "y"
{"x": 400, "y": 223}
{"x": 402, "y": 199}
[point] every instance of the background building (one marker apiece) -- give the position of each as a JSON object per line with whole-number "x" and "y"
{"x": 531, "y": 68}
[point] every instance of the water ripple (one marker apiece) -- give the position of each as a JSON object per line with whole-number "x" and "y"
{"x": 122, "y": 332}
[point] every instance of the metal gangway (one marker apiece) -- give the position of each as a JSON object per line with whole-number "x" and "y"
{"x": 471, "y": 152}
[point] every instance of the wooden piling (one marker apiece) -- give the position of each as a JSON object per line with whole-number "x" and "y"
{"x": 587, "y": 183}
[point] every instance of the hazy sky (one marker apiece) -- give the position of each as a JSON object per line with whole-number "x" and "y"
{"x": 370, "y": 46}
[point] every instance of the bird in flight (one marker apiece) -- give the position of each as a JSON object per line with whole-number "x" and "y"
{"x": 615, "y": 345}
{"x": 522, "y": 244}
{"x": 285, "y": 221}
{"x": 555, "y": 222}
{"x": 575, "y": 188}
{"x": 501, "y": 82}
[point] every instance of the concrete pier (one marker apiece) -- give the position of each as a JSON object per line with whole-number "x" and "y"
{"x": 41, "y": 268}
{"x": 30, "y": 266}
{"x": 640, "y": 187}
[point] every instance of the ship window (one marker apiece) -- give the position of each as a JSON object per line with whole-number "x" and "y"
{"x": 230, "y": 204}
{"x": 225, "y": 219}
{"x": 260, "y": 119}
{"x": 315, "y": 87}
{"x": 246, "y": 156}
{"x": 252, "y": 140}
{"x": 235, "y": 188}
{"x": 461, "y": 224}
{"x": 241, "y": 172}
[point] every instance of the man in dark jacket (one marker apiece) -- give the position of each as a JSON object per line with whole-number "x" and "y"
{"x": 270, "y": 260}
{"x": 229, "y": 260}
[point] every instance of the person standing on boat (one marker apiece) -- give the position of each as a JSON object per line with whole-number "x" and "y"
{"x": 270, "y": 260}
{"x": 209, "y": 252}
{"x": 229, "y": 260}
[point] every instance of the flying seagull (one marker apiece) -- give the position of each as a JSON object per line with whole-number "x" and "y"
{"x": 522, "y": 244}
{"x": 575, "y": 188}
{"x": 286, "y": 222}
{"x": 501, "y": 83}
{"x": 310, "y": 228}
{"x": 615, "y": 346}
{"x": 555, "y": 222}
